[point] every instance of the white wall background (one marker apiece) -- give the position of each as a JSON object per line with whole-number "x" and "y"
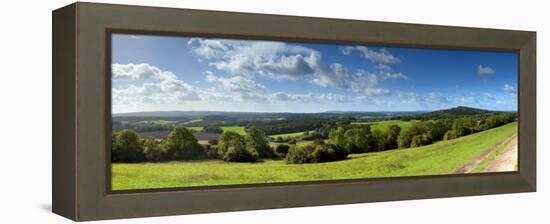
{"x": 25, "y": 93}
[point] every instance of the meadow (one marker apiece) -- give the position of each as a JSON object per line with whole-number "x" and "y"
{"x": 383, "y": 125}
{"x": 443, "y": 157}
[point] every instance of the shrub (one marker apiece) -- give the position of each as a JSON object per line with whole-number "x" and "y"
{"x": 297, "y": 155}
{"x": 451, "y": 134}
{"x": 416, "y": 141}
{"x": 282, "y": 149}
{"x": 321, "y": 154}
{"x": 292, "y": 142}
{"x": 211, "y": 152}
{"x": 213, "y": 141}
{"x": 238, "y": 153}
{"x": 126, "y": 147}
{"x": 315, "y": 154}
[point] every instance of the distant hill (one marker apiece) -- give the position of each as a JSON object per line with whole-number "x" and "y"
{"x": 454, "y": 112}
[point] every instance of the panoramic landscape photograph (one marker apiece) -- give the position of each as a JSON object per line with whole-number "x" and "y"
{"x": 194, "y": 112}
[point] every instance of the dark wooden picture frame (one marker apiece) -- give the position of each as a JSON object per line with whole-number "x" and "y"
{"x": 81, "y": 111}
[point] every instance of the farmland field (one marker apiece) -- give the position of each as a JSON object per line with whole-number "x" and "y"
{"x": 443, "y": 157}
{"x": 238, "y": 129}
{"x": 289, "y": 135}
{"x": 383, "y": 125}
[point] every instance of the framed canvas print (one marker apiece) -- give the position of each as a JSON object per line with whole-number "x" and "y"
{"x": 202, "y": 111}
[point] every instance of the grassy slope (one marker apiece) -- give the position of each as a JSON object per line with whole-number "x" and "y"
{"x": 440, "y": 158}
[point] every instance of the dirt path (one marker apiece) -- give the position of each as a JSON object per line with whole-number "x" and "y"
{"x": 507, "y": 159}
{"x": 469, "y": 167}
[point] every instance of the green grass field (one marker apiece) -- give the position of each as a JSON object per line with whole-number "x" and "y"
{"x": 238, "y": 129}
{"x": 289, "y": 135}
{"x": 383, "y": 125}
{"x": 439, "y": 158}
{"x": 198, "y": 129}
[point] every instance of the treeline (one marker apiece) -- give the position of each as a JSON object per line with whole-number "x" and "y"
{"x": 335, "y": 141}
{"x": 289, "y": 125}
{"x": 349, "y": 139}
{"x": 181, "y": 144}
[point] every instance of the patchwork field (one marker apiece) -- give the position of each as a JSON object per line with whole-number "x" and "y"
{"x": 443, "y": 157}
{"x": 383, "y": 125}
{"x": 238, "y": 129}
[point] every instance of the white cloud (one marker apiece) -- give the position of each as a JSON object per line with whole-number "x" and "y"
{"x": 408, "y": 97}
{"x": 255, "y": 58}
{"x": 138, "y": 72}
{"x": 509, "y": 89}
{"x": 383, "y": 56}
{"x": 278, "y": 60}
{"x": 438, "y": 98}
{"x": 235, "y": 83}
{"x": 485, "y": 70}
{"x": 309, "y": 98}
{"x": 159, "y": 87}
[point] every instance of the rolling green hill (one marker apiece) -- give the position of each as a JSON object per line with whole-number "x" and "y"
{"x": 442, "y": 157}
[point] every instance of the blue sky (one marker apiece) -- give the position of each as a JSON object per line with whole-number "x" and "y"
{"x": 167, "y": 73}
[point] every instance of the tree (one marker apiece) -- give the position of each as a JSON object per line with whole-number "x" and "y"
{"x": 282, "y": 149}
{"x": 126, "y": 147}
{"x": 357, "y": 140}
{"x": 392, "y": 135}
{"x": 229, "y": 139}
{"x": 213, "y": 129}
{"x": 182, "y": 144}
{"x": 337, "y": 137}
{"x": 232, "y": 148}
{"x": 379, "y": 140}
{"x": 256, "y": 139}
{"x": 153, "y": 150}
{"x": 416, "y": 141}
{"x": 464, "y": 126}
{"x": 298, "y": 155}
{"x": 404, "y": 139}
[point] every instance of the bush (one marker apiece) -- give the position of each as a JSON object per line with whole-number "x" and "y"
{"x": 315, "y": 154}
{"x": 297, "y": 155}
{"x": 451, "y": 134}
{"x": 282, "y": 149}
{"x": 416, "y": 141}
{"x": 126, "y": 147}
{"x": 213, "y": 142}
{"x": 238, "y": 153}
{"x": 211, "y": 152}
{"x": 321, "y": 154}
